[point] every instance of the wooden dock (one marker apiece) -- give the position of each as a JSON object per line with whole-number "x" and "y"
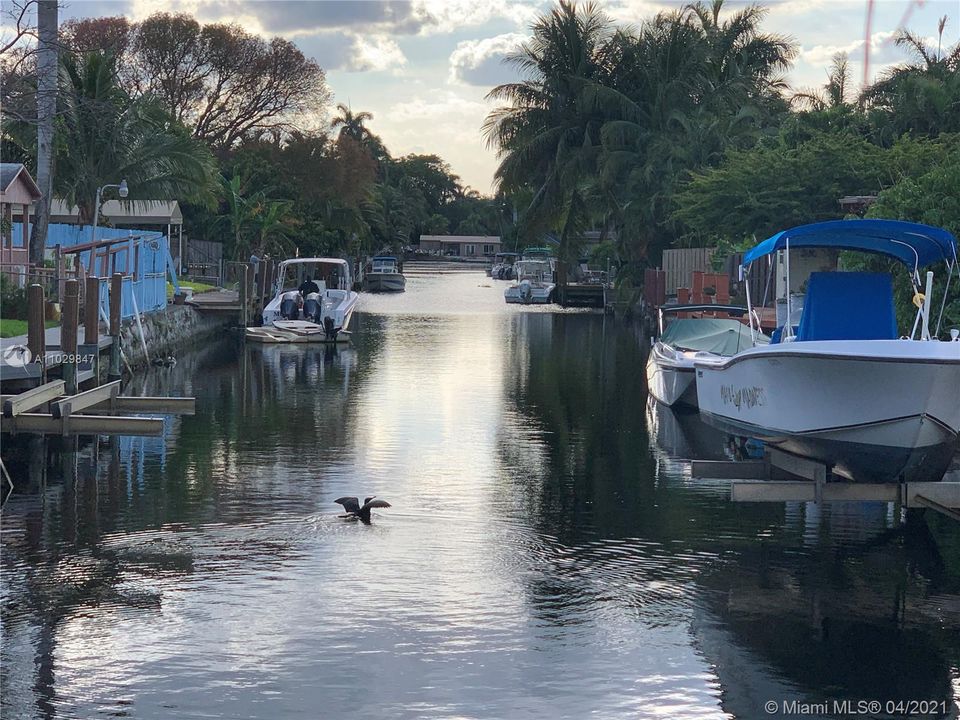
{"x": 784, "y": 477}
{"x": 47, "y": 410}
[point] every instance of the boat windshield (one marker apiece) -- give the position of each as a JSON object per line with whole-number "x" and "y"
{"x": 533, "y": 269}
{"x": 328, "y": 275}
{"x": 715, "y": 335}
{"x": 384, "y": 265}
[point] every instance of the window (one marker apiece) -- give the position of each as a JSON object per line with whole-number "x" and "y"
{"x": 488, "y": 249}
{"x": 469, "y": 249}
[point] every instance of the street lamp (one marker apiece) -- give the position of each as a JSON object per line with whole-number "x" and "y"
{"x": 122, "y": 191}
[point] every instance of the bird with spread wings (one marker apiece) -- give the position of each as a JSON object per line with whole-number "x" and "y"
{"x": 354, "y": 509}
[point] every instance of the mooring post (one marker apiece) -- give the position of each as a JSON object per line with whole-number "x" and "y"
{"x": 36, "y": 331}
{"x": 244, "y": 281}
{"x": 251, "y": 289}
{"x": 68, "y": 335}
{"x": 91, "y": 310}
{"x": 116, "y": 300}
{"x": 91, "y": 327}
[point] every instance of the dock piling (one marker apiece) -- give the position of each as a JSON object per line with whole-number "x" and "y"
{"x": 36, "y": 330}
{"x": 244, "y": 302}
{"x": 91, "y": 327}
{"x": 68, "y": 334}
{"x": 116, "y": 300}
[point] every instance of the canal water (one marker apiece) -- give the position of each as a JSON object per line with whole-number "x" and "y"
{"x": 546, "y": 555}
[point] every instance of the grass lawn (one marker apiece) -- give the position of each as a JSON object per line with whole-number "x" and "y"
{"x": 195, "y": 286}
{"x": 12, "y": 328}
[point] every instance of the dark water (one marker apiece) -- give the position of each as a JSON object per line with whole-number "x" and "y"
{"x": 547, "y": 554}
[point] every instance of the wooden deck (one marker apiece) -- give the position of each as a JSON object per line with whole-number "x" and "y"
{"x": 53, "y": 359}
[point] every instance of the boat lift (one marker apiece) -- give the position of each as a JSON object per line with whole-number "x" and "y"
{"x": 92, "y": 412}
{"x": 783, "y": 477}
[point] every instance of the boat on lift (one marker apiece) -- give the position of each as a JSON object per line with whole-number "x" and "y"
{"x": 312, "y": 302}
{"x": 383, "y": 274}
{"x": 502, "y": 268}
{"x": 843, "y": 387}
{"x": 535, "y": 280}
{"x": 687, "y": 332}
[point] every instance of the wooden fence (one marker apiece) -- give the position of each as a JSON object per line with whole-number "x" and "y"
{"x": 680, "y": 264}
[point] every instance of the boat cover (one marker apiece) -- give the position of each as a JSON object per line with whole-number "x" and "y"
{"x": 848, "y": 306}
{"x": 913, "y": 244}
{"x": 716, "y": 335}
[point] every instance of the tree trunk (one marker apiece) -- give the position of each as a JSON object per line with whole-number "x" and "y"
{"x": 47, "y": 65}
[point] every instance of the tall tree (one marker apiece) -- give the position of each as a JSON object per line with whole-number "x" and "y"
{"x": 105, "y": 136}
{"x": 47, "y": 64}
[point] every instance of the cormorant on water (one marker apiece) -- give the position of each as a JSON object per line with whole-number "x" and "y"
{"x": 354, "y": 510}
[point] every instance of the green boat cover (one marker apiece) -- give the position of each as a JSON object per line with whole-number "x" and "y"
{"x": 720, "y": 336}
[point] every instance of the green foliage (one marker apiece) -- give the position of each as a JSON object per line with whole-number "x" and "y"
{"x": 932, "y": 198}
{"x": 13, "y": 299}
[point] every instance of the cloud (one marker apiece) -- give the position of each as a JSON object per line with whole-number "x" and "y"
{"x": 296, "y": 18}
{"x": 445, "y": 16}
{"x": 480, "y": 62}
{"x": 376, "y": 53}
{"x": 882, "y": 50}
{"x": 446, "y": 106}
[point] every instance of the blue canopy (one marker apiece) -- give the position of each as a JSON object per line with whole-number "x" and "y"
{"x": 913, "y": 244}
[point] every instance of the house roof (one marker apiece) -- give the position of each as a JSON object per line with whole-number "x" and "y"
{"x": 9, "y": 172}
{"x": 130, "y": 212}
{"x": 480, "y": 239}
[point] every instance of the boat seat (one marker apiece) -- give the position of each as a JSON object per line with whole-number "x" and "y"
{"x": 848, "y": 306}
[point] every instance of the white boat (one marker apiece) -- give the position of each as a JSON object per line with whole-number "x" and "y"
{"x": 502, "y": 268}
{"x": 670, "y": 371}
{"x": 842, "y": 387}
{"x": 535, "y": 283}
{"x": 383, "y": 275}
{"x": 312, "y": 298}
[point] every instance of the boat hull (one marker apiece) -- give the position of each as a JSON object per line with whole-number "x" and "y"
{"x": 384, "y": 282}
{"x": 535, "y": 295}
{"x": 671, "y": 381}
{"x": 874, "y": 410}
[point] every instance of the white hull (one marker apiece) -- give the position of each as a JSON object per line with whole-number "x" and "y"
{"x": 337, "y": 305}
{"x": 384, "y": 282}
{"x": 875, "y": 410}
{"x": 670, "y": 377}
{"x": 537, "y": 294}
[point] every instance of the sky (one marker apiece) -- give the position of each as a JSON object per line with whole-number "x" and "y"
{"x": 424, "y": 67}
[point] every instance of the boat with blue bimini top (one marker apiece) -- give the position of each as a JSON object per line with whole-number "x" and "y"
{"x": 383, "y": 274}
{"x": 312, "y": 302}
{"x": 841, "y": 386}
{"x": 688, "y": 332}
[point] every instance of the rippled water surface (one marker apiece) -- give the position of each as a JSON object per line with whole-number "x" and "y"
{"x": 547, "y": 554}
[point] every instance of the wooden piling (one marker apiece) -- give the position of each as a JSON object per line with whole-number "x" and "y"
{"x": 116, "y": 300}
{"x": 36, "y": 330}
{"x": 68, "y": 334}
{"x": 91, "y": 311}
{"x": 251, "y": 289}
{"x": 244, "y": 300}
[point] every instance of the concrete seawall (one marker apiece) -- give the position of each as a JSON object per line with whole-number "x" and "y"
{"x": 167, "y": 331}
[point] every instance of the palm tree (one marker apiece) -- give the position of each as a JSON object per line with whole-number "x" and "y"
{"x": 545, "y": 137}
{"x": 834, "y": 93}
{"x": 922, "y": 97}
{"x": 103, "y": 136}
{"x": 353, "y": 125}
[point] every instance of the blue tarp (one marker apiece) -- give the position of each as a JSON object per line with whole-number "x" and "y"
{"x": 911, "y": 243}
{"x": 848, "y": 306}
{"x": 145, "y": 288}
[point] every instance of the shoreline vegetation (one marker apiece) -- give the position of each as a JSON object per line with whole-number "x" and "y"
{"x": 678, "y": 131}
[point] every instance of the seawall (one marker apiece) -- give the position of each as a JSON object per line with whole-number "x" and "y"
{"x": 167, "y": 331}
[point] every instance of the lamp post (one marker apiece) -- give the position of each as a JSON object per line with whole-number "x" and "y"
{"x": 122, "y": 191}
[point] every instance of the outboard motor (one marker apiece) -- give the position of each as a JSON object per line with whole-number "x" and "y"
{"x": 288, "y": 307}
{"x": 526, "y": 291}
{"x": 312, "y": 307}
{"x": 329, "y": 331}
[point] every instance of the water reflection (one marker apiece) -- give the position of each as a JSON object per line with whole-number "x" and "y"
{"x": 547, "y": 555}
